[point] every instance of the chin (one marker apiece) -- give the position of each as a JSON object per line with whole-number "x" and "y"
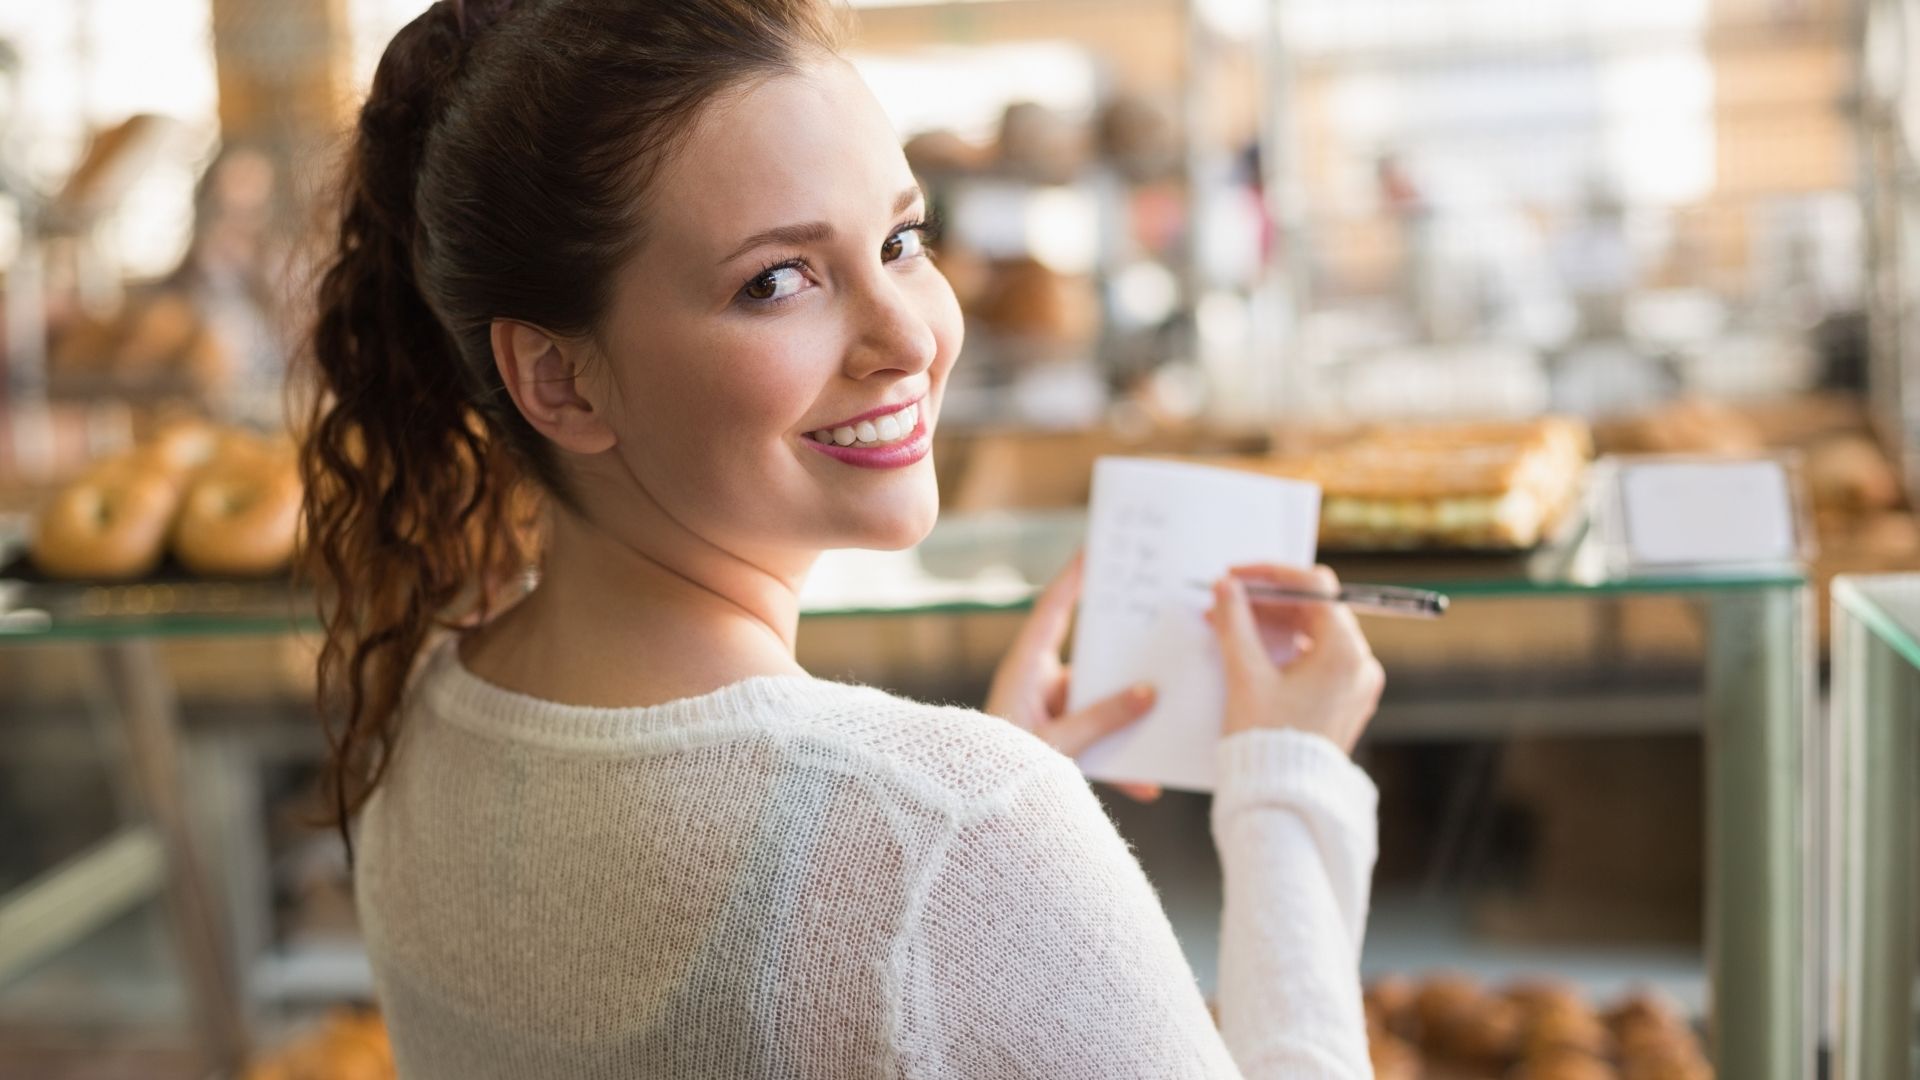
{"x": 902, "y": 527}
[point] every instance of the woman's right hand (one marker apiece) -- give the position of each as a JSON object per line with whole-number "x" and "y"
{"x": 1303, "y": 665}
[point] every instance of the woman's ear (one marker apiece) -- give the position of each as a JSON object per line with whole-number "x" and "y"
{"x": 542, "y": 373}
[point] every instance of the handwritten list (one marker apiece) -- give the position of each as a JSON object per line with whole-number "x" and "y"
{"x": 1155, "y": 528}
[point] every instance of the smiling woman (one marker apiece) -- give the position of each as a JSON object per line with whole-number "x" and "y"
{"x": 642, "y": 291}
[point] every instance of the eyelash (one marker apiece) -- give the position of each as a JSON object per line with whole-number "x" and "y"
{"x": 928, "y": 226}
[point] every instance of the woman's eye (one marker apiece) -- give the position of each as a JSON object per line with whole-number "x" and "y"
{"x": 775, "y": 284}
{"x": 904, "y": 244}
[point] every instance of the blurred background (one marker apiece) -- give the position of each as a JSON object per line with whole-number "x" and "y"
{"x": 1379, "y": 243}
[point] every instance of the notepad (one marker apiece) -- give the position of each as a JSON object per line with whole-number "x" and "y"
{"x": 1153, "y": 528}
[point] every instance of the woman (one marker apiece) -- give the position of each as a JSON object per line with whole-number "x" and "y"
{"x": 661, "y": 263}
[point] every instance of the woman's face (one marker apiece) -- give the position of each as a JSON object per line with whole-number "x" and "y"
{"x": 784, "y": 294}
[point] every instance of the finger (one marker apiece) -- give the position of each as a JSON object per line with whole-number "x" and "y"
{"x": 1242, "y": 650}
{"x": 1318, "y": 580}
{"x": 1076, "y": 731}
{"x": 1314, "y": 578}
{"x": 1139, "y": 792}
{"x": 1046, "y": 628}
{"x": 1054, "y": 698}
{"x": 1340, "y": 637}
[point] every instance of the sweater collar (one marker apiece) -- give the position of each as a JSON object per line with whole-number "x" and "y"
{"x": 446, "y": 686}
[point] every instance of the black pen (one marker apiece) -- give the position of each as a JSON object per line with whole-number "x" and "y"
{"x": 1370, "y": 599}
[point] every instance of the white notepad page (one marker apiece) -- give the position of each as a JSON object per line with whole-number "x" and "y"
{"x": 1153, "y": 527}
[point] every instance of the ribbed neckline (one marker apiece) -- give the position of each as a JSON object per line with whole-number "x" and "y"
{"x": 446, "y": 686}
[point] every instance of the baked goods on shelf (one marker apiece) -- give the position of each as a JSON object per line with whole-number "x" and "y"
{"x": 1487, "y": 486}
{"x": 1027, "y": 300}
{"x": 1451, "y": 1027}
{"x": 1141, "y": 136}
{"x": 241, "y": 514}
{"x": 351, "y": 1044}
{"x": 1850, "y": 474}
{"x": 109, "y": 525}
{"x": 224, "y": 501}
{"x": 161, "y": 339}
{"x": 1689, "y": 426}
{"x": 1041, "y": 143}
{"x": 935, "y": 152}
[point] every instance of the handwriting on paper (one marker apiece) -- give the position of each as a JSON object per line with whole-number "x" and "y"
{"x": 1153, "y": 527}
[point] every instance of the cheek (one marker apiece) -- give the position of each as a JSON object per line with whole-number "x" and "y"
{"x": 736, "y": 388}
{"x": 705, "y": 414}
{"x": 941, "y": 308}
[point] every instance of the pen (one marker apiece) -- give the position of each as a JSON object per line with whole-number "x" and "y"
{"x": 1372, "y": 599}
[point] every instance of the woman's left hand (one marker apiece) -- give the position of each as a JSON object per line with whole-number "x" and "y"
{"x": 1030, "y": 685}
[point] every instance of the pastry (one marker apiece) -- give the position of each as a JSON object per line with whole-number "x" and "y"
{"x": 1558, "y": 1026}
{"x": 183, "y": 446}
{"x": 1026, "y": 299}
{"x": 1393, "y": 1058}
{"x": 1488, "y": 1036}
{"x": 1495, "y": 486}
{"x": 935, "y": 152}
{"x": 1040, "y": 143}
{"x": 1563, "y": 1065}
{"x": 1460, "y": 1022}
{"x": 109, "y": 525}
{"x": 1689, "y": 427}
{"x": 1850, "y": 473}
{"x": 350, "y": 1045}
{"x": 241, "y": 514}
{"x": 1538, "y": 996}
{"x": 1141, "y": 137}
{"x": 1390, "y": 1003}
{"x": 157, "y": 334}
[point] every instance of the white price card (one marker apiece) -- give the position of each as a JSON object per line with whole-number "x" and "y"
{"x": 1700, "y": 513}
{"x": 1154, "y": 528}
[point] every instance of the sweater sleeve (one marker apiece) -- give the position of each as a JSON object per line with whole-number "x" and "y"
{"x": 1040, "y": 950}
{"x": 1295, "y": 822}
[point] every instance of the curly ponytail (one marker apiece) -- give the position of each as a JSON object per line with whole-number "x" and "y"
{"x": 498, "y": 170}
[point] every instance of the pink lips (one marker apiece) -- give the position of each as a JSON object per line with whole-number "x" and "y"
{"x": 894, "y": 455}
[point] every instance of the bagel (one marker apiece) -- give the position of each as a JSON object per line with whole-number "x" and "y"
{"x": 109, "y": 525}
{"x": 241, "y": 513}
{"x": 183, "y": 446}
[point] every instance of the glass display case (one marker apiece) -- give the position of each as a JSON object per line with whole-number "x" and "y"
{"x": 1757, "y": 683}
{"x": 1876, "y": 751}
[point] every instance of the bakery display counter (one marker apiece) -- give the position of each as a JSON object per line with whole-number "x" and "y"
{"x": 1873, "y": 775}
{"x": 1758, "y": 680}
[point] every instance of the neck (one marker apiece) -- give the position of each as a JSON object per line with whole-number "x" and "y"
{"x": 663, "y": 571}
{"x": 639, "y": 608}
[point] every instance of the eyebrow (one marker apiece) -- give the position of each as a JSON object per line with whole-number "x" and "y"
{"x": 811, "y": 232}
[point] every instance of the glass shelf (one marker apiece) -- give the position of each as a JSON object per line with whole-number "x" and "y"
{"x": 969, "y": 563}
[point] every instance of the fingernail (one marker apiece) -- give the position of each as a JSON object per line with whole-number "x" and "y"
{"x": 1140, "y": 693}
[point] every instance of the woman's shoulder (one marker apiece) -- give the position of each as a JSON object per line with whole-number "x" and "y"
{"x": 950, "y": 755}
{"x": 945, "y": 755}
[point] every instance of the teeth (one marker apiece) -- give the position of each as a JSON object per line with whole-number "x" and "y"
{"x": 886, "y": 429}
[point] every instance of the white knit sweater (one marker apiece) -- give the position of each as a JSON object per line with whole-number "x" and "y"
{"x": 796, "y": 878}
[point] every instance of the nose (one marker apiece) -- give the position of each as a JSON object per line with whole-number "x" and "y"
{"x": 890, "y": 332}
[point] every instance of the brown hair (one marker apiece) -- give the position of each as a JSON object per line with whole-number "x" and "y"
{"x": 499, "y": 170}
